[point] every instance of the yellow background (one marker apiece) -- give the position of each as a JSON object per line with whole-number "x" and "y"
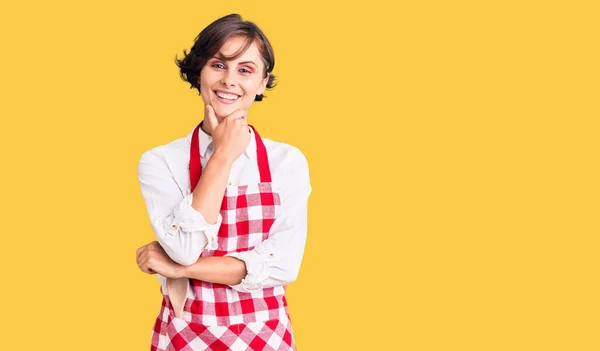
{"x": 453, "y": 149}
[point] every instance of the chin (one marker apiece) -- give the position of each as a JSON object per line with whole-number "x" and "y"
{"x": 224, "y": 111}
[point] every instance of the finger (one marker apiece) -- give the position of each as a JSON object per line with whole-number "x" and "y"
{"x": 138, "y": 262}
{"x": 139, "y": 252}
{"x": 146, "y": 270}
{"x": 143, "y": 258}
{"x": 210, "y": 116}
{"x": 237, "y": 114}
{"x": 146, "y": 266}
{"x": 143, "y": 249}
{"x": 241, "y": 122}
{"x": 143, "y": 266}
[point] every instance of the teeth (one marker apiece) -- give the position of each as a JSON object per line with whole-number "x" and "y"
{"x": 226, "y": 96}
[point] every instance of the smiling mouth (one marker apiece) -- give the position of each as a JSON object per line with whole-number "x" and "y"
{"x": 226, "y": 97}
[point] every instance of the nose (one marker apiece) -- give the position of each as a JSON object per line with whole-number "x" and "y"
{"x": 228, "y": 78}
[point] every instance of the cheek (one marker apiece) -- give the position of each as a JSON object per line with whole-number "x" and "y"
{"x": 204, "y": 82}
{"x": 204, "y": 93}
{"x": 249, "y": 96}
{"x": 251, "y": 88}
{"x": 206, "y": 79}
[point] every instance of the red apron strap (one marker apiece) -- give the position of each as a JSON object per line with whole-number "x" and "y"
{"x": 195, "y": 167}
{"x": 263, "y": 159}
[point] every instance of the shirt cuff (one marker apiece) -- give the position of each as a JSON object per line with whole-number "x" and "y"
{"x": 185, "y": 218}
{"x": 256, "y": 267}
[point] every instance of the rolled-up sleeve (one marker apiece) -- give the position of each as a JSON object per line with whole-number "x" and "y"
{"x": 180, "y": 229}
{"x": 277, "y": 260}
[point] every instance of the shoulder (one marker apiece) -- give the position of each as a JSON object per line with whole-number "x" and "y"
{"x": 284, "y": 155}
{"x": 164, "y": 155}
{"x": 289, "y": 168}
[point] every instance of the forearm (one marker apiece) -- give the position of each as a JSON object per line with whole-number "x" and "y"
{"x": 216, "y": 269}
{"x": 180, "y": 228}
{"x": 208, "y": 195}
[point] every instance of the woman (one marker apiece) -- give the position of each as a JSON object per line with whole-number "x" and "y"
{"x": 229, "y": 208}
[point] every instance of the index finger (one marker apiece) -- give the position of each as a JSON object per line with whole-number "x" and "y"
{"x": 239, "y": 113}
{"x": 210, "y": 115}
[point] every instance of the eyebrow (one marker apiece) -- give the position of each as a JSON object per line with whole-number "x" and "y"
{"x": 241, "y": 63}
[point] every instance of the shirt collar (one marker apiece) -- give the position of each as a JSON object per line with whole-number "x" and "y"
{"x": 205, "y": 141}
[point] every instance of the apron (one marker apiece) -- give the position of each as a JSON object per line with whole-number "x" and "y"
{"x": 220, "y": 318}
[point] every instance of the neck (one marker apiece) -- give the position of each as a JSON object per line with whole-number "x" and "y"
{"x": 204, "y": 127}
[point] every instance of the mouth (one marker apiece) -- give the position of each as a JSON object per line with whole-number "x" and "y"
{"x": 226, "y": 97}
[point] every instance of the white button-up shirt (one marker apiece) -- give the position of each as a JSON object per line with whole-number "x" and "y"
{"x": 163, "y": 174}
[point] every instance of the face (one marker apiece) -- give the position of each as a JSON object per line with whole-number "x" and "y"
{"x": 230, "y": 85}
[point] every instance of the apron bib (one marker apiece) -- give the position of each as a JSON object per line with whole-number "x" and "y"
{"x": 220, "y": 318}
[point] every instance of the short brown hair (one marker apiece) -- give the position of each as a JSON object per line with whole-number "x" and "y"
{"x": 209, "y": 42}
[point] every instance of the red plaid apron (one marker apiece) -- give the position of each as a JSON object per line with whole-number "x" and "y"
{"x": 220, "y": 318}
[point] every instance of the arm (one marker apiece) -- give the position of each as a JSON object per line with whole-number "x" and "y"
{"x": 275, "y": 261}
{"x": 221, "y": 270}
{"x": 184, "y": 226}
{"x": 178, "y": 223}
{"x": 209, "y": 192}
{"x": 230, "y": 140}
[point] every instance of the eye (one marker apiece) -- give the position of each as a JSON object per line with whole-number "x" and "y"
{"x": 245, "y": 71}
{"x": 218, "y": 65}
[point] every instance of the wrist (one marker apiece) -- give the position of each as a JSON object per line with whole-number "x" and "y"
{"x": 222, "y": 159}
{"x": 193, "y": 271}
{"x": 182, "y": 271}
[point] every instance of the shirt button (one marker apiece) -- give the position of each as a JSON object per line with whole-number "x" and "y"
{"x": 271, "y": 255}
{"x": 174, "y": 227}
{"x": 229, "y": 184}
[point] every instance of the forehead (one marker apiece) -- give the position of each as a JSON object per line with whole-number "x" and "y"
{"x": 234, "y": 44}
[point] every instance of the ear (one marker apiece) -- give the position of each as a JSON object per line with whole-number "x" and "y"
{"x": 263, "y": 85}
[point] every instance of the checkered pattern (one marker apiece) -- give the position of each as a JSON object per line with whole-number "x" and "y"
{"x": 219, "y": 317}
{"x": 219, "y": 305}
{"x": 176, "y": 334}
{"x": 248, "y": 212}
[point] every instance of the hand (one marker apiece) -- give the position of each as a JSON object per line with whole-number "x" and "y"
{"x": 153, "y": 259}
{"x": 232, "y": 135}
{"x": 209, "y": 124}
